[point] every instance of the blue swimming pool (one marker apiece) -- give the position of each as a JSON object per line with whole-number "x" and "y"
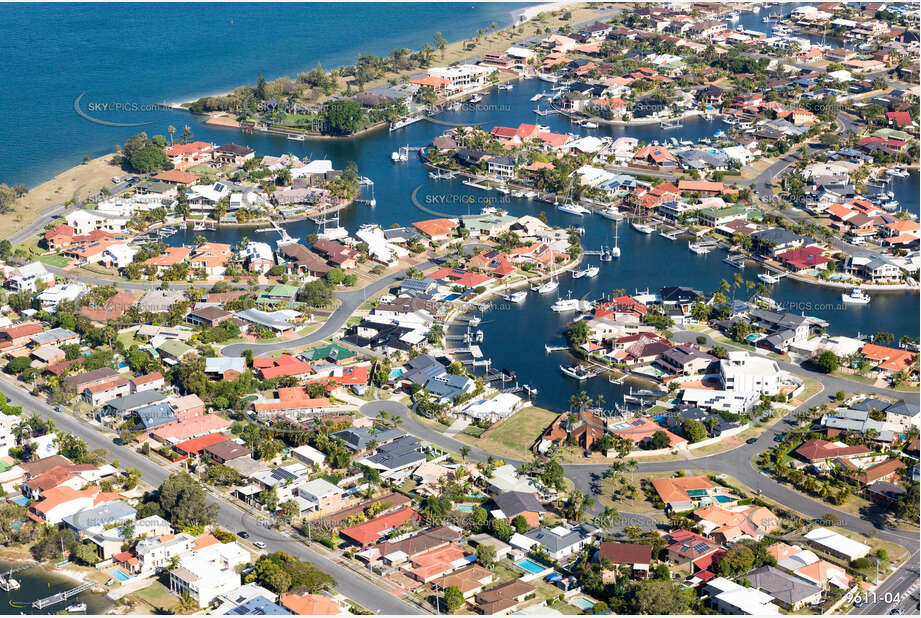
{"x": 722, "y": 498}
{"x": 464, "y": 507}
{"x": 530, "y": 566}
{"x": 583, "y": 603}
{"x": 21, "y": 500}
{"x": 119, "y": 575}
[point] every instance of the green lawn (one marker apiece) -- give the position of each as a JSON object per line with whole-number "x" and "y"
{"x": 514, "y": 436}
{"x": 157, "y": 596}
{"x": 55, "y": 260}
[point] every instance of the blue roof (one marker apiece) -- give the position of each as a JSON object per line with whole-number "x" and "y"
{"x": 258, "y": 606}
{"x": 156, "y": 415}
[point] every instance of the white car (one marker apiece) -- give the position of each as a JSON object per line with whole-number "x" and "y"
{"x": 259, "y": 544}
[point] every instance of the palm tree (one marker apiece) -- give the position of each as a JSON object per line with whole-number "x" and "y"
{"x": 171, "y": 130}
{"x": 465, "y": 452}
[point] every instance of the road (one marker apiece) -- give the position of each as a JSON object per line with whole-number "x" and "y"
{"x": 230, "y": 517}
{"x": 349, "y": 302}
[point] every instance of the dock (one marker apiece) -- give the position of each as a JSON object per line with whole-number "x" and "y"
{"x": 61, "y": 596}
{"x": 555, "y": 348}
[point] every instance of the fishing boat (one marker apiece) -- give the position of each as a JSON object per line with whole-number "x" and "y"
{"x": 589, "y": 271}
{"x": 516, "y": 297}
{"x": 574, "y": 209}
{"x": 611, "y": 213}
{"x": 734, "y": 262}
{"x": 856, "y": 297}
{"x": 642, "y": 228}
{"x": 577, "y": 372}
{"x": 475, "y": 99}
{"x": 75, "y": 608}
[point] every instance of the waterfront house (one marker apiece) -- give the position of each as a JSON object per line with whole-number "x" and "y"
{"x": 233, "y": 154}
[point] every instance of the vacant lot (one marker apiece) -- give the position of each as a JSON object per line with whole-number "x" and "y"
{"x": 157, "y": 596}
{"x": 514, "y": 436}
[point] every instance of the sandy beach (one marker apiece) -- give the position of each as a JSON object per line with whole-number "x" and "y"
{"x": 533, "y": 11}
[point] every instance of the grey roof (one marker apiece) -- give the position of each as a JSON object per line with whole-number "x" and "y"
{"x": 55, "y": 334}
{"x": 156, "y": 414}
{"x": 357, "y": 438}
{"x": 106, "y": 513}
{"x": 683, "y": 354}
{"x": 552, "y": 541}
{"x": 778, "y": 236}
{"x": 422, "y": 368}
{"x": 220, "y": 364}
{"x": 137, "y": 400}
{"x": 891, "y": 491}
{"x": 447, "y": 385}
{"x": 777, "y": 319}
{"x": 514, "y": 502}
{"x": 399, "y": 453}
{"x": 258, "y": 606}
{"x": 263, "y": 318}
{"x": 903, "y": 408}
{"x": 422, "y": 285}
{"x": 786, "y": 588}
{"x": 871, "y": 404}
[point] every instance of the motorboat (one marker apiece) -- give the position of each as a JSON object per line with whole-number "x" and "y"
{"x": 475, "y": 99}
{"x": 735, "y": 262}
{"x": 474, "y": 321}
{"x": 546, "y": 77}
{"x": 577, "y": 372}
{"x": 642, "y": 228}
{"x": 699, "y": 249}
{"x": 590, "y": 272}
{"x": 768, "y": 278}
{"x": 563, "y": 305}
{"x": 588, "y": 124}
{"x": 538, "y": 96}
{"x": 856, "y": 297}
{"x": 898, "y": 172}
{"x": 606, "y": 255}
{"x": 75, "y": 608}
{"x": 574, "y": 209}
{"x": 506, "y": 86}
{"x": 611, "y": 213}
{"x": 398, "y": 157}
{"x": 517, "y": 297}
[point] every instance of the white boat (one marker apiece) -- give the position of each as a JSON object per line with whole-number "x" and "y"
{"x": 735, "y": 262}
{"x": 504, "y": 190}
{"x": 404, "y": 122}
{"x": 546, "y": 77}
{"x": 506, "y": 86}
{"x": 563, "y": 305}
{"x": 611, "y": 213}
{"x": 642, "y": 227}
{"x": 699, "y": 249}
{"x": 548, "y": 287}
{"x": 517, "y": 297}
{"x": 76, "y": 607}
{"x": 474, "y": 321}
{"x": 898, "y": 172}
{"x": 577, "y": 372}
{"x": 615, "y": 251}
{"x": 590, "y": 272}
{"x": 475, "y": 99}
{"x": 588, "y": 124}
{"x": 296, "y": 138}
{"x": 397, "y": 157}
{"x": 574, "y": 209}
{"x": 856, "y": 297}
{"x": 538, "y": 96}
{"x": 768, "y": 278}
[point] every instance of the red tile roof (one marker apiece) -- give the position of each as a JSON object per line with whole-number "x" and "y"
{"x": 371, "y": 531}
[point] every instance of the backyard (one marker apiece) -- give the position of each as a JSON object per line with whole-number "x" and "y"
{"x": 514, "y": 436}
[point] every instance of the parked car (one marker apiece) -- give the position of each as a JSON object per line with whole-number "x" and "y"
{"x": 751, "y": 440}
{"x": 243, "y": 534}
{"x": 259, "y": 544}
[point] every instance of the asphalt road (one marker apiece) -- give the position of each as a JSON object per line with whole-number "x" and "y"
{"x": 230, "y": 517}
{"x": 349, "y": 302}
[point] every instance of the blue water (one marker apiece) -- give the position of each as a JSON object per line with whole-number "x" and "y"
{"x": 530, "y": 566}
{"x": 723, "y": 499}
{"x": 119, "y": 575}
{"x": 21, "y": 500}
{"x": 148, "y": 53}
{"x": 464, "y": 507}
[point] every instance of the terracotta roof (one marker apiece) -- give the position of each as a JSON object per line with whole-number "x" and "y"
{"x": 435, "y": 227}
{"x": 676, "y": 489}
{"x": 880, "y": 470}
{"x": 310, "y": 604}
{"x": 370, "y": 531}
{"x": 817, "y": 448}
{"x": 625, "y": 553}
{"x": 183, "y": 178}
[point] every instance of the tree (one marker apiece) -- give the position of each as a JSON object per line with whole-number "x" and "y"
{"x": 344, "y": 117}
{"x": 738, "y": 559}
{"x": 657, "y": 596}
{"x": 485, "y": 554}
{"x": 694, "y": 430}
{"x": 659, "y": 440}
{"x": 577, "y": 332}
{"x": 906, "y": 507}
{"x": 183, "y": 502}
{"x": 316, "y": 293}
{"x": 464, "y": 452}
{"x": 828, "y": 361}
{"x": 454, "y": 598}
{"x": 520, "y": 524}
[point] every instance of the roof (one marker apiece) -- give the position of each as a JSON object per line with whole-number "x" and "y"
{"x": 183, "y": 178}
{"x": 880, "y": 470}
{"x": 373, "y": 530}
{"x": 512, "y": 503}
{"x": 435, "y": 227}
{"x": 137, "y": 400}
{"x": 838, "y": 542}
{"x": 105, "y": 513}
{"x": 788, "y": 589}
{"x": 310, "y": 604}
{"x": 195, "y": 445}
{"x": 816, "y": 448}
{"x": 225, "y": 449}
{"x": 625, "y": 553}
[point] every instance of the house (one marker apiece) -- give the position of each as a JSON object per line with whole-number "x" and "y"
{"x": 684, "y": 360}
{"x": 888, "y": 360}
{"x": 436, "y": 229}
{"x": 816, "y": 450}
{"x": 311, "y": 604}
{"x": 174, "y": 352}
{"x": 888, "y": 470}
{"x": 224, "y": 451}
{"x": 233, "y": 154}
{"x": 470, "y": 580}
{"x": 340, "y": 255}
{"x": 804, "y": 258}
{"x": 320, "y": 495}
{"x": 727, "y": 597}
{"x": 227, "y": 368}
{"x": 689, "y": 552}
{"x": 300, "y": 259}
{"x": 733, "y": 524}
{"x": 209, "y": 316}
{"x": 374, "y": 530}
{"x": 559, "y": 542}
{"x": 683, "y": 493}
{"x": 207, "y": 573}
{"x": 80, "y": 381}
{"x": 504, "y": 598}
{"x": 789, "y": 591}
{"x": 396, "y": 457}
{"x": 637, "y": 557}
{"x": 501, "y": 167}
{"x": 26, "y": 278}
{"x": 17, "y": 337}
{"x": 872, "y": 268}
{"x": 837, "y": 544}
{"x": 183, "y": 430}
{"x": 106, "y": 515}
{"x": 63, "y": 501}
{"x": 510, "y": 505}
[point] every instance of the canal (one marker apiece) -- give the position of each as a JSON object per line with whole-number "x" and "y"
{"x": 40, "y": 582}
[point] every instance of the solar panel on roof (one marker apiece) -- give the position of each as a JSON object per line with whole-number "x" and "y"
{"x": 701, "y": 546}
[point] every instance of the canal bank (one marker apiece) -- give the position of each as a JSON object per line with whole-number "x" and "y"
{"x": 43, "y": 581}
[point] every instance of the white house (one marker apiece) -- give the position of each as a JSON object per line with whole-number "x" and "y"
{"x": 838, "y": 544}
{"x": 746, "y": 372}
{"x": 118, "y": 256}
{"x": 25, "y": 278}
{"x": 54, "y": 296}
{"x": 208, "y": 573}
{"x": 86, "y": 221}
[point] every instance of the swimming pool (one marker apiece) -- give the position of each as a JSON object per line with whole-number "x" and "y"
{"x": 21, "y": 501}
{"x": 696, "y": 493}
{"x": 722, "y": 498}
{"x": 467, "y": 508}
{"x": 530, "y": 566}
{"x": 119, "y": 575}
{"x": 582, "y": 603}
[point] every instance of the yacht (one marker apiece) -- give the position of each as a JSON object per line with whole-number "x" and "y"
{"x": 606, "y": 255}
{"x": 397, "y": 157}
{"x": 76, "y": 608}
{"x": 475, "y": 99}
{"x": 642, "y": 228}
{"x": 856, "y": 297}
{"x": 506, "y": 87}
{"x": 562, "y": 305}
{"x": 588, "y": 124}
{"x": 768, "y": 278}
{"x": 517, "y": 297}
{"x": 734, "y": 262}
{"x": 577, "y": 372}
{"x": 590, "y": 272}
{"x": 611, "y": 213}
{"x": 538, "y": 96}
{"x": 898, "y": 172}
{"x": 615, "y": 251}
{"x": 698, "y": 248}
{"x": 574, "y": 209}
{"x": 546, "y": 77}
{"x": 547, "y": 287}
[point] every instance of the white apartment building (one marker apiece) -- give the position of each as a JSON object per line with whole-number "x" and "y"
{"x": 208, "y": 573}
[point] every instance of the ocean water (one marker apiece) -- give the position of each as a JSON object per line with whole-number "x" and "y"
{"x": 142, "y": 54}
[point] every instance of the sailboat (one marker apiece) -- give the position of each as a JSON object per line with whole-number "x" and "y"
{"x": 552, "y": 284}
{"x": 615, "y": 251}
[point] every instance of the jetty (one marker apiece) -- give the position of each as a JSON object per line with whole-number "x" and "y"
{"x": 7, "y": 583}
{"x": 555, "y": 348}
{"x": 61, "y": 596}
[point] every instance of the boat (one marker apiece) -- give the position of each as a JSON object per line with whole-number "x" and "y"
{"x": 577, "y": 372}
{"x": 563, "y": 305}
{"x": 296, "y": 138}
{"x": 768, "y": 278}
{"x": 574, "y": 209}
{"x": 699, "y": 249}
{"x": 398, "y": 157}
{"x": 590, "y": 272}
{"x": 546, "y": 77}
{"x": 403, "y": 122}
{"x": 611, "y": 213}
{"x": 76, "y": 607}
{"x": 517, "y": 297}
{"x": 537, "y": 97}
{"x": 856, "y": 297}
{"x": 642, "y": 228}
{"x": 474, "y": 321}
{"x": 475, "y": 99}
{"x": 898, "y": 172}
{"x": 615, "y": 251}
{"x": 588, "y": 124}
{"x": 606, "y": 255}
{"x": 734, "y": 262}
{"x": 506, "y": 86}
{"x": 547, "y": 287}
{"x": 503, "y": 189}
